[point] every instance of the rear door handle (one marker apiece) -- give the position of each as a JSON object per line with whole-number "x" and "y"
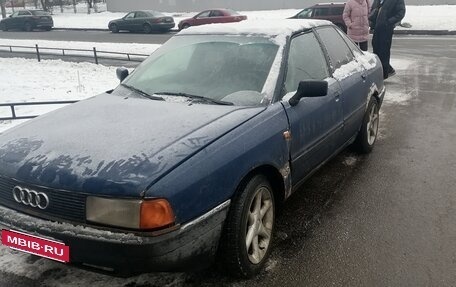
{"x": 337, "y": 97}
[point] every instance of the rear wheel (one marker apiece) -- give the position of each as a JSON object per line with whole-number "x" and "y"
{"x": 246, "y": 241}
{"x": 28, "y": 26}
{"x": 367, "y": 136}
{"x": 147, "y": 28}
{"x": 113, "y": 28}
{"x": 48, "y": 28}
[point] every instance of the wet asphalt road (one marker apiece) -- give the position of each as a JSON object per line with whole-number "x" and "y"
{"x": 385, "y": 219}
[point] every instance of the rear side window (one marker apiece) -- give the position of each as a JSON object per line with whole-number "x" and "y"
{"x": 320, "y": 12}
{"x": 141, "y": 15}
{"x": 24, "y": 13}
{"x": 216, "y": 13}
{"x": 338, "y": 51}
{"x": 306, "y": 61}
{"x": 337, "y": 10}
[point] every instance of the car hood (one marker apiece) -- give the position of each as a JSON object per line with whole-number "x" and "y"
{"x": 113, "y": 144}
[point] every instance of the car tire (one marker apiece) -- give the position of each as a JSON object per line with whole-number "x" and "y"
{"x": 113, "y": 28}
{"x": 185, "y": 26}
{"x": 367, "y": 136}
{"x": 147, "y": 28}
{"x": 48, "y": 28}
{"x": 250, "y": 222}
{"x": 28, "y": 27}
{"x": 3, "y": 27}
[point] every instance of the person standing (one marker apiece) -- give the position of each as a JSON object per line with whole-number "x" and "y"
{"x": 386, "y": 14}
{"x": 356, "y": 13}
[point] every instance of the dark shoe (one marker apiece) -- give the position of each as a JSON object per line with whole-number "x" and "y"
{"x": 391, "y": 72}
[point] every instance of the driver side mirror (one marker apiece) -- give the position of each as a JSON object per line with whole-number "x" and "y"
{"x": 309, "y": 89}
{"x": 122, "y": 73}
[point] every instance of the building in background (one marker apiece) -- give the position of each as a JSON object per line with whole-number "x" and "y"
{"x": 241, "y": 5}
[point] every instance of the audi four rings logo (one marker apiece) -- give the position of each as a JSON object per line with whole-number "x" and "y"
{"x": 30, "y": 197}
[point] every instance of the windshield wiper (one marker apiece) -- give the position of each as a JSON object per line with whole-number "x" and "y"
{"x": 144, "y": 94}
{"x": 218, "y": 102}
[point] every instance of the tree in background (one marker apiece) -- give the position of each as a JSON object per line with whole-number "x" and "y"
{"x": 2, "y": 5}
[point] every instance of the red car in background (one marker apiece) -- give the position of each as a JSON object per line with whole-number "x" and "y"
{"x": 212, "y": 16}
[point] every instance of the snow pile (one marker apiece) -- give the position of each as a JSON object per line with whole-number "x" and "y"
{"x": 25, "y": 80}
{"x": 431, "y": 17}
{"x": 145, "y": 49}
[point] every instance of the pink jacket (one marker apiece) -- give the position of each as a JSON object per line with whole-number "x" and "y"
{"x": 355, "y": 15}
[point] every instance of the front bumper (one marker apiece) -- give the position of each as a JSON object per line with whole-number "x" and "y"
{"x": 192, "y": 246}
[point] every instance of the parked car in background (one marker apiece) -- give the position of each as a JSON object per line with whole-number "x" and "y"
{"x": 145, "y": 21}
{"x": 327, "y": 11}
{"x": 27, "y": 20}
{"x": 191, "y": 155}
{"x": 212, "y": 16}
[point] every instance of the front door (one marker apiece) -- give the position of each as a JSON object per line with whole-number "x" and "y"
{"x": 315, "y": 123}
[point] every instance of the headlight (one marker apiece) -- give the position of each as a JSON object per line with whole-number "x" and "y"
{"x": 130, "y": 213}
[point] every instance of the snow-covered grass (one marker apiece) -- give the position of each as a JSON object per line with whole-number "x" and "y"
{"x": 145, "y": 49}
{"x": 428, "y": 17}
{"x": 25, "y": 80}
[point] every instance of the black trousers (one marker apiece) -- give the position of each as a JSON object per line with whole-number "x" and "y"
{"x": 362, "y": 45}
{"x": 381, "y": 44}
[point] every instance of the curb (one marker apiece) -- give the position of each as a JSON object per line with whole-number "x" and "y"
{"x": 425, "y": 32}
{"x": 94, "y": 29}
{"x": 396, "y": 32}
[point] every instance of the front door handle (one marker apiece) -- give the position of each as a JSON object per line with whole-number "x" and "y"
{"x": 337, "y": 98}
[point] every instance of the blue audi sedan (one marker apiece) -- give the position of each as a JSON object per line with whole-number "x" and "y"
{"x": 185, "y": 162}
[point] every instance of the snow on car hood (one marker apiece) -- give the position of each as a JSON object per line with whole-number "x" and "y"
{"x": 113, "y": 144}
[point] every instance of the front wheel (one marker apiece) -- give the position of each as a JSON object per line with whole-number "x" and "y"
{"x": 3, "y": 27}
{"x": 246, "y": 241}
{"x": 114, "y": 28}
{"x": 367, "y": 136}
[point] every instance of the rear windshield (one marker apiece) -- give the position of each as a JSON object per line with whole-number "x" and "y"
{"x": 40, "y": 13}
{"x": 232, "y": 12}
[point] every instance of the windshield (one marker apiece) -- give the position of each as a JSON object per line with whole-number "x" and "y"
{"x": 223, "y": 68}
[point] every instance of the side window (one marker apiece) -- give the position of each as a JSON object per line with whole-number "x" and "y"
{"x": 204, "y": 14}
{"x": 130, "y": 15}
{"x": 306, "y": 61}
{"x": 24, "y": 13}
{"x": 141, "y": 15}
{"x": 216, "y": 13}
{"x": 318, "y": 12}
{"x": 338, "y": 51}
{"x": 306, "y": 13}
{"x": 337, "y": 11}
{"x": 355, "y": 49}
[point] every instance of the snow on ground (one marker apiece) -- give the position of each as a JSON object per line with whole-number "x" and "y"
{"x": 25, "y": 80}
{"x": 431, "y": 17}
{"x": 145, "y": 49}
{"x": 428, "y": 17}
{"x": 395, "y": 95}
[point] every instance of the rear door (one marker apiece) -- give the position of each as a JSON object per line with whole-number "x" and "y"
{"x": 351, "y": 76}
{"x": 218, "y": 16}
{"x": 315, "y": 123}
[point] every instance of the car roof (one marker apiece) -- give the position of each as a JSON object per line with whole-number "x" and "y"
{"x": 285, "y": 27}
{"x": 330, "y": 4}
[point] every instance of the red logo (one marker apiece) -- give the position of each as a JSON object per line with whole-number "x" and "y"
{"x": 34, "y": 245}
